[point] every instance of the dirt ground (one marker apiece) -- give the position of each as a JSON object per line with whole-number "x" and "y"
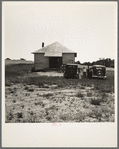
{"x": 51, "y": 103}
{"x": 47, "y": 97}
{"x": 50, "y": 73}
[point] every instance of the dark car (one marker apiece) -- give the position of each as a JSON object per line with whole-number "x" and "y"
{"x": 97, "y": 71}
{"x": 71, "y": 71}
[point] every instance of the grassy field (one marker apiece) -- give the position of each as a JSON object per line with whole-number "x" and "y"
{"x": 10, "y": 62}
{"x": 33, "y": 98}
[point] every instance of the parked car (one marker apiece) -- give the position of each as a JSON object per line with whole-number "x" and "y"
{"x": 97, "y": 71}
{"x": 71, "y": 71}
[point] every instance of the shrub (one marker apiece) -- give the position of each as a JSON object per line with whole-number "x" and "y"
{"x": 31, "y": 113}
{"x": 32, "y": 69}
{"x": 79, "y": 94}
{"x": 61, "y": 84}
{"x": 10, "y": 116}
{"x": 82, "y": 87}
{"x": 26, "y": 88}
{"x": 14, "y": 100}
{"x": 20, "y": 115}
{"x": 47, "y": 95}
{"x": 48, "y": 118}
{"x": 96, "y": 113}
{"x": 7, "y": 84}
{"x": 89, "y": 94}
{"x": 22, "y": 106}
{"x": 104, "y": 96}
{"x": 106, "y": 90}
{"x": 38, "y": 103}
{"x": 30, "y": 89}
{"x": 89, "y": 85}
{"x": 96, "y": 87}
{"x": 96, "y": 101}
{"x": 83, "y": 84}
{"x": 41, "y": 84}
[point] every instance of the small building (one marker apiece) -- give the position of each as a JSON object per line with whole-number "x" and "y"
{"x": 53, "y": 56}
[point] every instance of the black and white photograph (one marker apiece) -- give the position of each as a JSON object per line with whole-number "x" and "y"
{"x": 59, "y": 62}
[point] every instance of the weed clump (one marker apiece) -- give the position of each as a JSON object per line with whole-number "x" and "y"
{"x": 48, "y": 95}
{"x": 19, "y": 115}
{"x": 79, "y": 94}
{"x": 96, "y": 101}
{"x": 26, "y": 88}
{"x": 82, "y": 87}
{"x": 7, "y": 84}
{"x": 10, "y": 116}
{"x": 41, "y": 84}
{"x": 38, "y": 103}
{"x": 106, "y": 90}
{"x": 89, "y": 94}
{"x": 29, "y": 89}
{"x": 14, "y": 101}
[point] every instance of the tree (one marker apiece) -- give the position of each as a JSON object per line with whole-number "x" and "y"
{"x": 22, "y": 59}
{"x": 8, "y": 59}
{"x": 78, "y": 62}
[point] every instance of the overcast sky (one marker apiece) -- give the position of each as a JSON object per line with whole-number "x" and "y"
{"x": 88, "y": 28}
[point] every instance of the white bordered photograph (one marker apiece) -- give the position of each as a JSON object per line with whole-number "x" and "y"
{"x": 59, "y": 66}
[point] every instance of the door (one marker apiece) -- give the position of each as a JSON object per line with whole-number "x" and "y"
{"x": 55, "y": 62}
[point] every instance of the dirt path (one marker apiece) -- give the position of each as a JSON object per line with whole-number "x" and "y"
{"x": 52, "y": 73}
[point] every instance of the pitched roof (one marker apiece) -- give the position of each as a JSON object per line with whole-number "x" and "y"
{"x": 55, "y": 47}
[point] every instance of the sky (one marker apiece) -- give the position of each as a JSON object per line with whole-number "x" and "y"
{"x": 88, "y": 28}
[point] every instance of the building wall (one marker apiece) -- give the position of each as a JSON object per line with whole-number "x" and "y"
{"x": 40, "y": 61}
{"x": 68, "y": 58}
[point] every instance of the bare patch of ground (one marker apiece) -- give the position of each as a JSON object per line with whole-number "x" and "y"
{"x": 50, "y": 73}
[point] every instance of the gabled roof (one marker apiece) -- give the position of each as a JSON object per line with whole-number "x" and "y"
{"x": 55, "y": 47}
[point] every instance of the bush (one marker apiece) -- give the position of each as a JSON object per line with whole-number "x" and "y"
{"x": 89, "y": 94}
{"x": 30, "y": 89}
{"x": 79, "y": 94}
{"x": 96, "y": 101}
{"x": 10, "y": 116}
{"x": 104, "y": 96}
{"x": 8, "y": 59}
{"x": 19, "y": 115}
{"x": 32, "y": 69}
{"x": 7, "y": 84}
{"x": 47, "y": 95}
{"x": 14, "y": 101}
{"x": 107, "y": 90}
{"x": 26, "y": 88}
{"x": 82, "y": 87}
{"x": 22, "y": 59}
{"x": 41, "y": 84}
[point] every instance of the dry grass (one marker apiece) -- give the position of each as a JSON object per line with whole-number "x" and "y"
{"x": 12, "y": 62}
{"x": 31, "y": 98}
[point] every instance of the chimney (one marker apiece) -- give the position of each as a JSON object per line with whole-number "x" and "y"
{"x": 42, "y": 44}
